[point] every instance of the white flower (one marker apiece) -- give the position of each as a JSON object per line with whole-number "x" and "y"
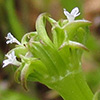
{"x": 71, "y": 16}
{"x": 11, "y": 60}
{"x": 11, "y": 39}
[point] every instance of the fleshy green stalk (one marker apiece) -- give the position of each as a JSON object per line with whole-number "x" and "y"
{"x": 74, "y": 87}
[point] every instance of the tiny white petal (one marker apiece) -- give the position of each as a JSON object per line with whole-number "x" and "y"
{"x": 11, "y": 39}
{"x": 75, "y": 12}
{"x": 5, "y": 63}
{"x": 11, "y": 60}
{"x": 66, "y": 12}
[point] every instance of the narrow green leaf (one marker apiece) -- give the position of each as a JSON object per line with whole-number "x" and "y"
{"x": 39, "y": 52}
{"x": 97, "y": 95}
{"x": 73, "y": 26}
{"x": 40, "y": 27}
{"x": 59, "y": 36}
{"x": 26, "y": 38}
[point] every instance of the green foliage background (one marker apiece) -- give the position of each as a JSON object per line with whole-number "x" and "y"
{"x": 18, "y": 17}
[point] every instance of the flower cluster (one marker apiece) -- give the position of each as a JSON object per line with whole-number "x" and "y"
{"x": 11, "y": 39}
{"x": 11, "y": 56}
{"x": 47, "y": 60}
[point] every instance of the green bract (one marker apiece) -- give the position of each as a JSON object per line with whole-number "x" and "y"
{"x": 55, "y": 62}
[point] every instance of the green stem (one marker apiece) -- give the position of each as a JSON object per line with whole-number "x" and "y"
{"x": 74, "y": 87}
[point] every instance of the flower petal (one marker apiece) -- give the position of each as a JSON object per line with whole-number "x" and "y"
{"x": 66, "y": 12}
{"x": 69, "y": 16}
{"x": 75, "y": 11}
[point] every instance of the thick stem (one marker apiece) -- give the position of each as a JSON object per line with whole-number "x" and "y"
{"x": 74, "y": 87}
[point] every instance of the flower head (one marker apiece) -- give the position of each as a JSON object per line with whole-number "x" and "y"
{"x": 11, "y": 39}
{"x": 71, "y": 16}
{"x": 11, "y": 60}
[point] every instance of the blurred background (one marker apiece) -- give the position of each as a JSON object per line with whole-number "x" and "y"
{"x": 19, "y": 16}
